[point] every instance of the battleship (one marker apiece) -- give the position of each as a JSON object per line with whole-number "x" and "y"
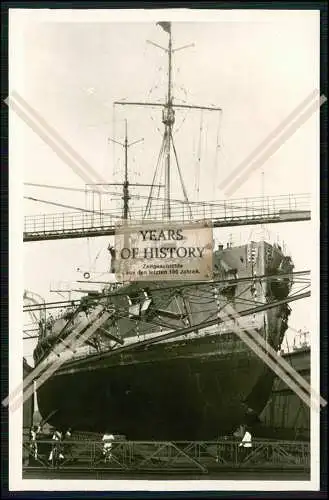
{"x": 160, "y": 363}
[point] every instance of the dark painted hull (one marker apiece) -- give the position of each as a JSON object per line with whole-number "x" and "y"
{"x": 170, "y": 399}
{"x": 187, "y": 389}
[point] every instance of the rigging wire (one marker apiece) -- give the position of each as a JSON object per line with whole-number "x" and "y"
{"x": 89, "y": 254}
{"x": 59, "y": 304}
{"x": 148, "y": 95}
{"x": 180, "y": 174}
{"x": 198, "y": 161}
{"x": 177, "y": 287}
{"x": 149, "y": 201}
{"x": 138, "y": 196}
{"x": 187, "y": 113}
{"x": 156, "y": 127}
{"x": 217, "y": 149}
{"x": 160, "y": 177}
{"x": 149, "y": 323}
{"x": 62, "y": 188}
{"x": 113, "y": 149}
{"x": 182, "y": 122}
{"x": 61, "y": 205}
{"x": 228, "y": 302}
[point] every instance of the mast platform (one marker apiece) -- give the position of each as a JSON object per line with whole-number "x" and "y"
{"x": 227, "y": 213}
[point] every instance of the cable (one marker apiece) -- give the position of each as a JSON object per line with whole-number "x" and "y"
{"x": 61, "y": 205}
{"x": 69, "y": 303}
{"x": 198, "y": 162}
{"x": 218, "y": 146}
{"x": 228, "y": 205}
{"x": 180, "y": 175}
{"x": 149, "y": 200}
{"x": 176, "y": 287}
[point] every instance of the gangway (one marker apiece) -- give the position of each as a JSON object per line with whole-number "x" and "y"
{"x": 227, "y": 213}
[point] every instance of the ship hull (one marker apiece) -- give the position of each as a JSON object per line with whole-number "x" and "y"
{"x": 162, "y": 400}
{"x": 197, "y": 386}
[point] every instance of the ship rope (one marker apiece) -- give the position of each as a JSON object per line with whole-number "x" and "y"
{"x": 217, "y": 150}
{"x": 148, "y": 95}
{"x": 160, "y": 177}
{"x": 214, "y": 204}
{"x": 94, "y": 262}
{"x": 149, "y": 201}
{"x": 155, "y": 125}
{"x": 198, "y": 160}
{"x": 180, "y": 175}
{"x": 155, "y": 86}
{"x": 183, "y": 121}
{"x": 187, "y": 112}
{"x": 219, "y": 309}
{"x": 300, "y": 290}
{"x": 175, "y": 287}
{"x": 123, "y": 315}
{"x": 89, "y": 253}
{"x": 114, "y": 144}
{"x": 76, "y": 302}
{"x": 47, "y": 202}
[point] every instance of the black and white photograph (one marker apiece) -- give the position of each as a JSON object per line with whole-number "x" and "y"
{"x": 164, "y": 319}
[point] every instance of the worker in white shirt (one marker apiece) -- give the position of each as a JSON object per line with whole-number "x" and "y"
{"x": 35, "y": 430}
{"x": 107, "y": 446}
{"x": 245, "y": 444}
{"x": 56, "y": 452}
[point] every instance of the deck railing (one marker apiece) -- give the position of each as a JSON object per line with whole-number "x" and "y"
{"x": 221, "y": 213}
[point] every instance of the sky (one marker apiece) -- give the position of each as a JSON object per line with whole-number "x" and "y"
{"x": 256, "y": 68}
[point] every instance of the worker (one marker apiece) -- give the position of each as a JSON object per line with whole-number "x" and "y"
{"x": 68, "y": 433}
{"x": 246, "y": 444}
{"x": 68, "y": 446}
{"x": 112, "y": 251}
{"x": 56, "y": 451}
{"x": 107, "y": 446}
{"x": 33, "y": 437}
{"x": 239, "y": 433}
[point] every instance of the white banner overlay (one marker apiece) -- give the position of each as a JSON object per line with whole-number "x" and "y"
{"x": 162, "y": 251}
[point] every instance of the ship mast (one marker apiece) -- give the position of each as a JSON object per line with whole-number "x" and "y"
{"x": 125, "y": 184}
{"x": 126, "y": 196}
{"x": 168, "y": 119}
